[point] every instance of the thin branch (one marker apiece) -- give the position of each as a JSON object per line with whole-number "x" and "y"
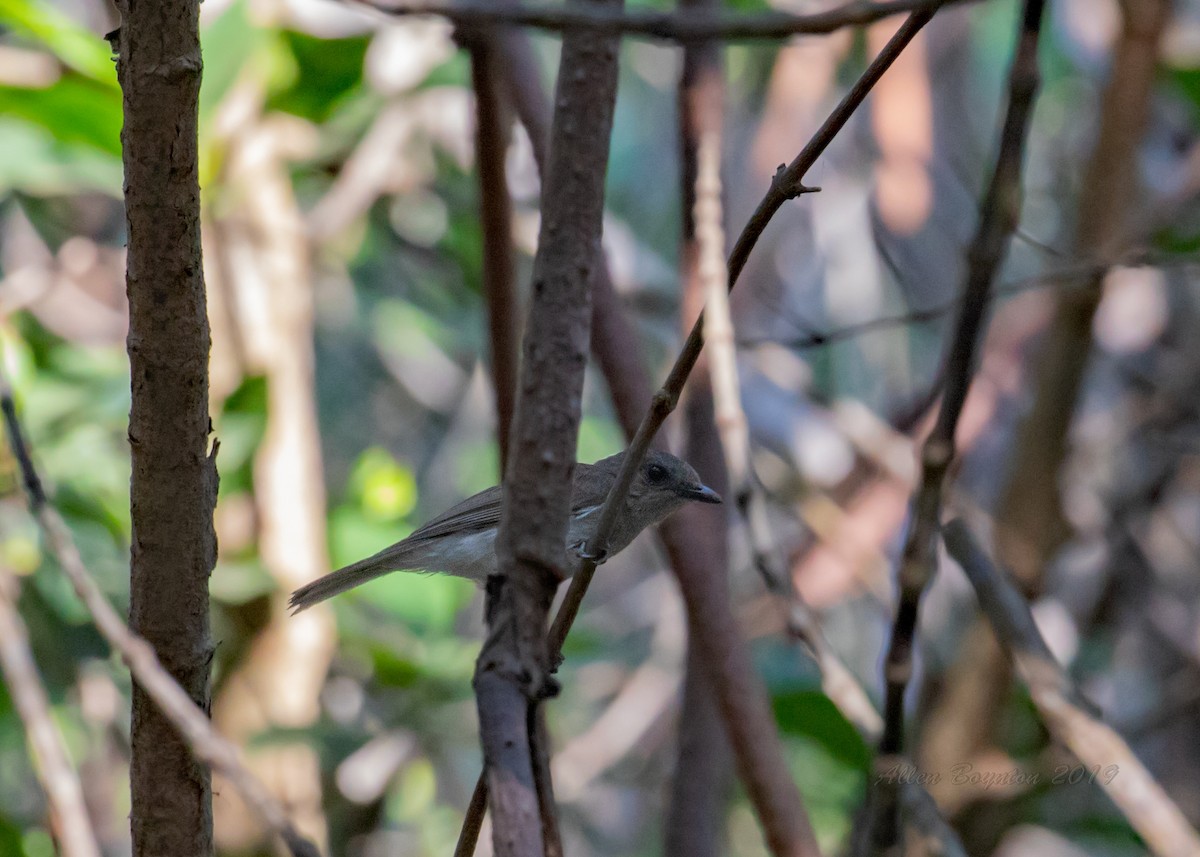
{"x": 1139, "y": 797}
{"x": 690, "y": 26}
{"x": 786, "y": 185}
{"x": 172, "y": 701}
{"x": 495, "y": 208}
{"x": 69, "y": 820}
{"x": 468, "y": 835}
{"x": 801, "y": 623}
{"x": 998, "y": 218}
{"x": 513, "y": 671}
{"x": 611, "y": 336}
{"x": 1072, "y": 278}
{"x": 539, "y": 741}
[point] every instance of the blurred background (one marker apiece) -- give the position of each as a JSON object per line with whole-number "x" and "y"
{"x": 352, "y": 401}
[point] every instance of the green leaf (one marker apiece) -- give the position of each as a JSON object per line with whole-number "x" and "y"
{"x": 85, "y": 52}
{"x": 228, "y": 43}
{"x": 810, "y": 714}
{"x": 327, "y": 70}
{"x": 74, "y": 109}
{"x": 37, "y": 164}
{"x": 386, "y": 489}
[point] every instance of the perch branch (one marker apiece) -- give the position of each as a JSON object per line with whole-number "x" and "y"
{"x": 172, "y": 700}
{"x": 998, "y": 219}
{"x": 1139, "y": 797}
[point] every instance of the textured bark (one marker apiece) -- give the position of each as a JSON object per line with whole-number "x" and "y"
{"x": 174, "y": 481}
{"x": 513, "y": 673}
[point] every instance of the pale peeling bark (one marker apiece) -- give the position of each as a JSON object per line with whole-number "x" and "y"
{"x": 702, "y": 780}
{"x": 277, "y": 686}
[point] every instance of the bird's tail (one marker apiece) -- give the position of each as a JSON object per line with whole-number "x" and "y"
{"x": 395, "y": 558}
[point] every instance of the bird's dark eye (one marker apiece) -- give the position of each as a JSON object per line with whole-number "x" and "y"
{"x": 656, "y": 474}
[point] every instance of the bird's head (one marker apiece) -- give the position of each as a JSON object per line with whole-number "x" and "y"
{"x": 663, "y": 485}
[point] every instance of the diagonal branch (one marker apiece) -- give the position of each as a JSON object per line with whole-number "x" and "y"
{"x": 689, "y": 26}
{"x": 1139, "y": 797}
{"x": 998, "y": 219}
{"x": 786, "y": 185}
{"x": 172, "y": 701}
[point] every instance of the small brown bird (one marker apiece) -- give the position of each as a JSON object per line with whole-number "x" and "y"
{"x": 461, "y": 540}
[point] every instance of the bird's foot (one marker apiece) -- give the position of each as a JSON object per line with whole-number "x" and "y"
{"x": 581, "y": 551}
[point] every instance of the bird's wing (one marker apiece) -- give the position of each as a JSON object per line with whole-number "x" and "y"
{"x": 482, "y": 511}
{"x": 474, "y": 513}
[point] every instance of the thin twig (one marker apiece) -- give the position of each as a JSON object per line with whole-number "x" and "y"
{"x": 495, "y": 208}
{"x": 69, "y": 820}
{"x": 998, "y": 218}
{"x": 801, "y": 622}
{"x": 837, "y": 682}
{"x": 692, "y": 26}
{"x": 786, "y": 185}
{"x": 172, "y": 700}
{"x": 1139, "y": 797}
{"x": 1074, "y": 278}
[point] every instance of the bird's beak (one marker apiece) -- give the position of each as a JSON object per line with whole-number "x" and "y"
{"x": 703, "y": 494}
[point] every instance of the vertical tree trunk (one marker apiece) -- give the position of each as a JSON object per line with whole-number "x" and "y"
{"x": 512, "y": 673}
{"x": 174, "y": 482}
